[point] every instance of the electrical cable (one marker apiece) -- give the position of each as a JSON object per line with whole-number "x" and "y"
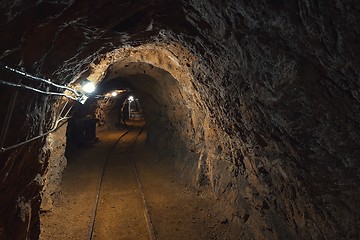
{"x": 54, "y": 128}
{"x": 35, "y": 138}
{"x": 42, "y": 80}
{"x": 36, "y": 90}
{"x": 47, "y": 92}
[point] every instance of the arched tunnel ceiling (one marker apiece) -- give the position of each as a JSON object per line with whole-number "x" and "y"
{"x": 271, "y": 92}
{"x": 145, "y": 78}
{"x": 112, "y": 84}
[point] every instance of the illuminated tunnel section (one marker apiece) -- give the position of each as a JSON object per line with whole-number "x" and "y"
{"x": 257, "y": 103}
{"x": 159, "y": 95}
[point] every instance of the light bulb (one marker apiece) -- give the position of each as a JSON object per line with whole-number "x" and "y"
{"x": 88, "y": 87}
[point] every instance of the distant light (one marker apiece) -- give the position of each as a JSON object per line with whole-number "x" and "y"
{"x": 114, "y": 94}
{"x": 131, "y": 98}
{"x": 88, "y": 86}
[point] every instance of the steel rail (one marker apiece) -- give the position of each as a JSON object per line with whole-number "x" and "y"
{"x": 146, "y": 210}
{"x": 149, "y": 224}
{"x": 98, "y": 190}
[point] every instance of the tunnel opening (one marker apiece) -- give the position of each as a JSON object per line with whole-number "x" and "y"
{"x": 268, "y": 117}
{"x": 116, "y": 102}
{"x": 156, "y": 92}
{"x": 142, "y": 91}
{"x": 110, "y": 109}
{"x": 161, "y": 98}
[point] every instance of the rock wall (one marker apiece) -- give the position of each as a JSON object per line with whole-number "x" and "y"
{"x": 21, "y": 168}
{"x": 282, "y": 89}
{"x": 55, "y": 147}
{"x": 265, "y": 108}
{"x": 108, "y": 113}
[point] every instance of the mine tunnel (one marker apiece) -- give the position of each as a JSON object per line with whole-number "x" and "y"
{"x": 179, "y": 120}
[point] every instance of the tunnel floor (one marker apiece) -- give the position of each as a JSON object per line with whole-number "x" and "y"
{"x": 175, "y": 209}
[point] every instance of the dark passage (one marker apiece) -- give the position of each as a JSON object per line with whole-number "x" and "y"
{"x": 252, "y": 114}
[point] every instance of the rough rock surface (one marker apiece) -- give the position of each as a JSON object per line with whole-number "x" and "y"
{"x": 55, "y": 146}
{"x": 108, "y": 112}
{"x": 262, "y": 102}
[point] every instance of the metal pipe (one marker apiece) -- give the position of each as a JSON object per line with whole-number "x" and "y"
{"x": 56, "y": 113}
{"x": 41, "y": 79}
{"x": 36, "y": 90}
{"x": 43, "y": 112}
{"x": 62, "y": 110}
{"x": 8, "y": 118}
{"x": 129, "y": 108}
{"x": 34, "y": 138}
{"x": 68, "y": 111}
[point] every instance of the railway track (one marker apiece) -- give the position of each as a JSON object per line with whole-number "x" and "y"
{"x": 104, "y": 200}
{"x": 133, "y": 133}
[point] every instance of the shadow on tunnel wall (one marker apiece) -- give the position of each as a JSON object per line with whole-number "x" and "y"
{"x": 81, "y": 129}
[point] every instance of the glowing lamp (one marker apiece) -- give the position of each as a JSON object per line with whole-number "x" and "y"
{"x": 88, "y": 86}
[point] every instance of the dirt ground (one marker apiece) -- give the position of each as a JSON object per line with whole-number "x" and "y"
{"x": 177, "y": 211}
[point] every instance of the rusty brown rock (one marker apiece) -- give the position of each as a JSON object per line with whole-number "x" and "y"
{"x": 268, "y": 116}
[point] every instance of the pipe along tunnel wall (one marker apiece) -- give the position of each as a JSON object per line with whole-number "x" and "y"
{"x": 258, "y": 102}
